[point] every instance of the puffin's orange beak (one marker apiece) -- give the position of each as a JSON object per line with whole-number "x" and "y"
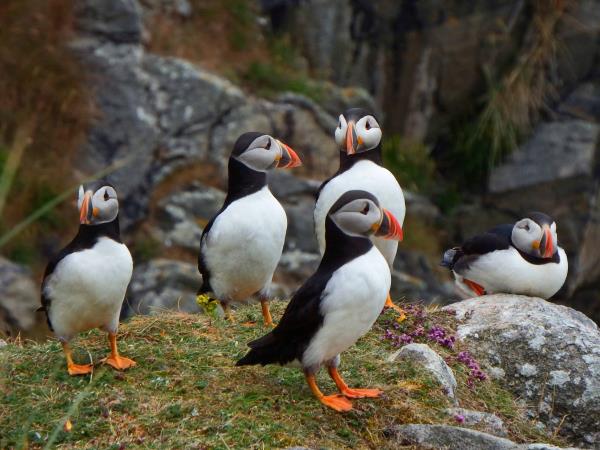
{"x": 86, "y": 211}
{"x": 547, "y": 243}
{"x": 390, "y": 228}
{"x": 289, "y": 158}
{"x": 351, "y": 139}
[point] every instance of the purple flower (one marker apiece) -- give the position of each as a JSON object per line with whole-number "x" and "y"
{"x": 459, "y": 418}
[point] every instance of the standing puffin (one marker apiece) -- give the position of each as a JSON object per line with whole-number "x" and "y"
{"x": 523, "y": 258}
{"x": 339, "y": 303}
{"x": 358, "y": 136}
{"x": 84, "y": 285}
{"x": 242, "y": 244}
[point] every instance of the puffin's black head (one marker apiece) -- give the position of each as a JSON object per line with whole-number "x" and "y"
{"x": 359, "y": 213}
{"x": 536, "y": 235}
{"x": 357, "y": 131}
{"x": 262, "y": 152}
{"x": 97, "y": 202}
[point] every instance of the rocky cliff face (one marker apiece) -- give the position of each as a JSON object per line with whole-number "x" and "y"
{"x": 169, "y": 126}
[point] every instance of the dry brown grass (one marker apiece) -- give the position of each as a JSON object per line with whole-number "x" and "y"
{"x": 44, "y": 101}
{"x": 222, "y": 36}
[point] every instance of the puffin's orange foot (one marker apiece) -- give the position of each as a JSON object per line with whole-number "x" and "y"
{"x": 361, "y": 393}
{"x": 119, "y": 362}
{"x": 390, "y": 304}
{"x": 268, "y": 320}
{"x": 79, "y": 369}
{"x": 337, "y": 402}
{"x": 476, "y": 288}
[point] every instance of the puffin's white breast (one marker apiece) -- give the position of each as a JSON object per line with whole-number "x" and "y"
{"x": 351, "y": 302}
{"x": 244, "y": 245}
{"x": 87, "y": 288}
{"x": 367, "y": 176}
{"x": 505, "y": 271}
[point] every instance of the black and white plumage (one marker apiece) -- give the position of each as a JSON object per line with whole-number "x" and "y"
{"x": 84, "y": 285}
{"x": 242, "y": 244}
{"x": 522, "y": 258}
{"x": 340, "y": 302}
{"x": 358, "y": 136}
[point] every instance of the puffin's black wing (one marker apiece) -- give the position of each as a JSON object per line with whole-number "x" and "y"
{"x": 459, "y": 258}
{"x": 301, "y": 320}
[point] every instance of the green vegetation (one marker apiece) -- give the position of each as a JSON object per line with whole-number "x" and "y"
{"x": 268, "y": 80}
{"x": 410, "y": 162}
{"x": 185, "y": 392}
{"x": 513, "y": 101}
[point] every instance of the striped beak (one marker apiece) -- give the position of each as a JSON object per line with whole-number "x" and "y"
{"x": 389, "y": 227}
{"x": 351, "y": 139}
{"x": 547, "y": 243}
{"x": 289, "y": 158}
{"x": 86, "y": 211}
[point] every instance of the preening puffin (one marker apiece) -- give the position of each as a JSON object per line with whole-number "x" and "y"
{"x": 523, "y": 258}
{"x": 242, "y": 244}
{"x": 339, "y": 303}
{"x": 84, "y": 285}
{"x": 358, "y": 136}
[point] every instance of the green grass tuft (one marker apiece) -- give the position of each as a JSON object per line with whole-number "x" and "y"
{"x": 186, "y": 392}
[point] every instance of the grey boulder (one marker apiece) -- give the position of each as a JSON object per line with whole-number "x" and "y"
{"x": 456, "y": 438}
{"x": 423, "y": 356}
{"x": 547, "y": 355}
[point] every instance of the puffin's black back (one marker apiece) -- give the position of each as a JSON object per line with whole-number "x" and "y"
{"x": 86, "y": 238}
{"x": 302, "y": 317}
{"x": 498, "y": 238}
{"x": 241, "y": 182}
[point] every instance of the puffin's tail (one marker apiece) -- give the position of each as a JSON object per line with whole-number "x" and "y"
{"x": 450, "y": 257}
{"x": 266, "y": 350}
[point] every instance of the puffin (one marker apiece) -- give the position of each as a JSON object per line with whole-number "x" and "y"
{"x": 339, "y": 303}
{"x": 241, "y": 245}
{"x": 521, "y": 258}
{"x": 84, "y": 285}
{"x": 358, "y": 136}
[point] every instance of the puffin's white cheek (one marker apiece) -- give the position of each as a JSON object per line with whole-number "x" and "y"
{"x": 340, "y": 135}
{"x": 371, "y": 138}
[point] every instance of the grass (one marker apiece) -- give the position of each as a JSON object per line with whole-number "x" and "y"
{"x": 514, "y": 99}
{"x": 185, "y": 392}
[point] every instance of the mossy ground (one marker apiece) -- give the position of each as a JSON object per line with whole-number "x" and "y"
{"x": 186, "y": 392}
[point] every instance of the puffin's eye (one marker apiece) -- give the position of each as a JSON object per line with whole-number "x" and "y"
{"x": 106, "y": 196}
{"x": 365, "y": 209}
{"x": 526, "y": 227}
{"x": 340, "y": 124}
{"x": 268, "y": 146}
{"x": 368, "y": 125}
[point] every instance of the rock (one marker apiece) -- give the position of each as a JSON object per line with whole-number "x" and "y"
{"x": 583, "y": 103}
{"x": 490, "y": 423}
{"x": 182, "y": 215}
{"x": 423, "y": 356}
{"x": 422, "y": 60}
{"x": 163, "y": 284}
{"x": 449, "y": 437}
{"x": 114, "y": 20}
{"x": 547, "y": 355}
{"x": 567, "y": 149}
{"x": 19, "y": 301}
{"x": 456, "y": 438}
{"x": 3, "y": 343}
